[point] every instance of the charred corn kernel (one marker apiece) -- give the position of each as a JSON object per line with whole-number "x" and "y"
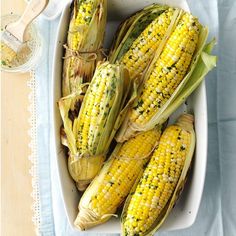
{"x": 168, "y": 71}
{"x": 141, "y": 51}
{"x": 93, "y": 128}
{"x": 114, "y": 182}
{"x": 160, "y": 178}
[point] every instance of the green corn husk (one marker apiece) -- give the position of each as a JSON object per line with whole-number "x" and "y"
{"x": 185, "y": 121}
{"x": 205, "y": 63}
{"x": 131, "y": 28}
{"x": 84, "y": 163}
{"x": 201, "y": 64}
{"x": 84, "y": 42}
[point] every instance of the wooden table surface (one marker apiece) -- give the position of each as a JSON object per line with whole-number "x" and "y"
{"x": 16, "y": 213}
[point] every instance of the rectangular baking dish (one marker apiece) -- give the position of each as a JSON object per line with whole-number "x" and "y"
{"x": 184, "y": 213}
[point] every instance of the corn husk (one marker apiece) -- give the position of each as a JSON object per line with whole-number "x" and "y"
{"x": 183, "y": 121}
{"x": 83, "y": 167}
{"x": 206, "y": 63}
{"x": 197, "y": 70}
{"x": 131, "y": 28}
{"x": 80, "y": 63}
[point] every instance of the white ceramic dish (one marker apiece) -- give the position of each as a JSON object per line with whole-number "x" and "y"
{"x": 184, "y": 213}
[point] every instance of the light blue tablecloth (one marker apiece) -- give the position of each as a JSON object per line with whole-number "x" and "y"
{"x": 217, "y": 213}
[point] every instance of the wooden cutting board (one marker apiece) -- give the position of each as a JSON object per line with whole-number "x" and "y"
{"x": 16, "y": 213}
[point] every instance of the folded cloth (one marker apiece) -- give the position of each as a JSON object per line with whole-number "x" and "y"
{"x": 43, "y": 209}
{"x": 217, "y": 213}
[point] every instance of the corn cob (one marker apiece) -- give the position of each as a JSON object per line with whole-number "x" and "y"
{"x": 206, "y": 63}
{"x": 144, "y": 47}
{"x": 130, "y": 29}
{"x": 85, "y": 37}
{"x": 169, "y": 70}
{"x": 145, "y": 32}
{"x": 163, "y": 77}
{"x": 91, "y": 133}
{"x": 156, "y": 189}
{"x": 109, "y": 189}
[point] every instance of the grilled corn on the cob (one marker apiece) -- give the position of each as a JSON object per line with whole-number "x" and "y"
{"x": 164, "y": 75}
{"x": 169, "y": 69}
{"x": 91, "y": 133}
{"x": 136, "y": 53}
{"x": 110, "y": 188}
{"x": 148, "y": 205}
{"x": 143, "y": 48}
{"x": 85, "y": 37}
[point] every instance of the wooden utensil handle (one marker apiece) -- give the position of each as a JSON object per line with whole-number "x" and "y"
{"x": 33, "y": 9}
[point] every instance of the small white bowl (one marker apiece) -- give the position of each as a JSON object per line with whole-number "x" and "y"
{"x": 35, "y": 43}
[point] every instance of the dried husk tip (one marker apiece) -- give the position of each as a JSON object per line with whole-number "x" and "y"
{"x": 83, "y": 169}
{"x": 186, "y": 121}
{"x": 87, "y": 219}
